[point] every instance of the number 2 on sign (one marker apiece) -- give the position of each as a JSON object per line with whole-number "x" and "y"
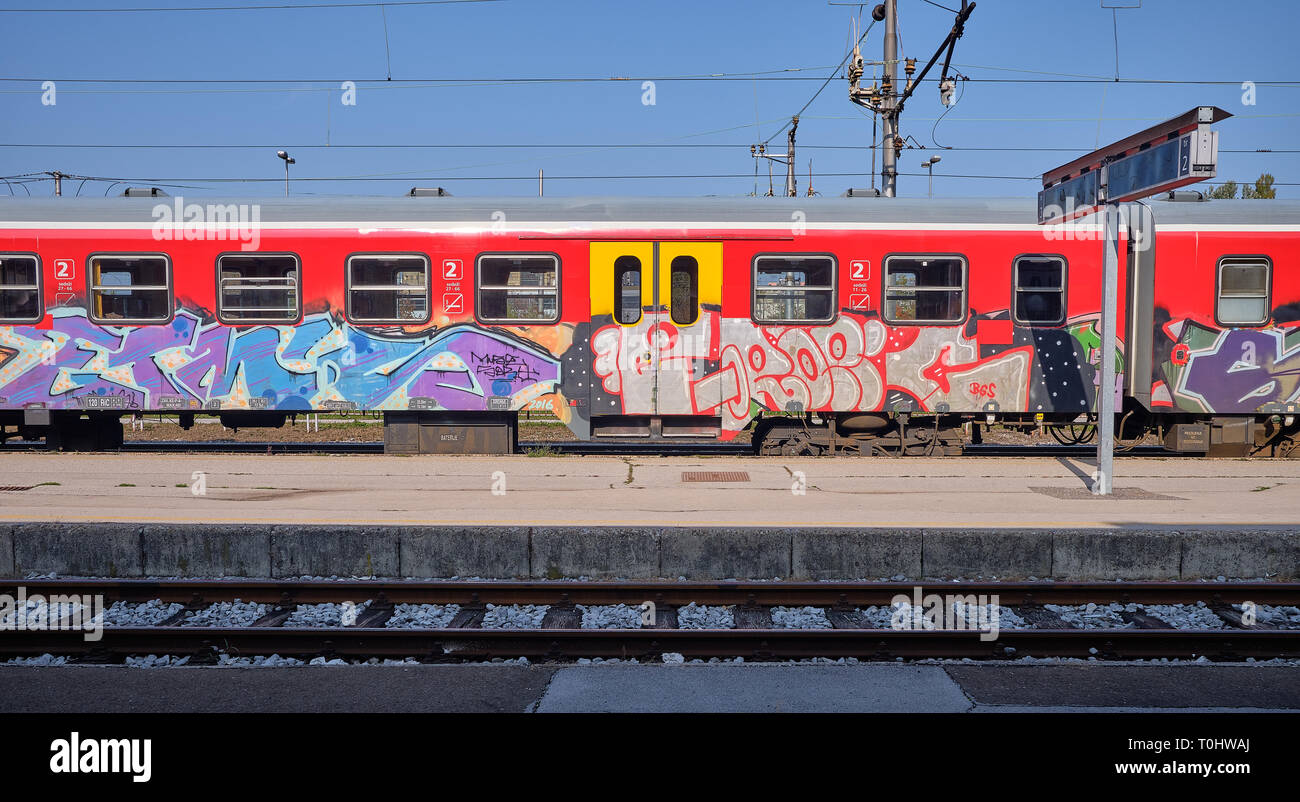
{"x": 983, "y": 390}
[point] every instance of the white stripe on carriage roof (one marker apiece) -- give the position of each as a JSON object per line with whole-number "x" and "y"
{"x": 549, "y": 227}
{"x": 576, "y": 229}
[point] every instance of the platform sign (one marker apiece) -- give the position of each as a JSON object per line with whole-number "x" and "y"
{"x": 1164, "y": 157}
{"x": 1175, "y": 153}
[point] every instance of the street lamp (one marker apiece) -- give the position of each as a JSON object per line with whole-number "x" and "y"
{"x": 288, "y": 160}
{"x": 929, "y": 165}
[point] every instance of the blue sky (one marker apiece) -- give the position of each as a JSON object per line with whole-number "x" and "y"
{"x": 1167, "y": 39}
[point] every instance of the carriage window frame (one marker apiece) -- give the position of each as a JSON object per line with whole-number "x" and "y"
{"x": 832, "y": 289}
{"x": 38, "y": 288}
{"x": 93, "y": 290}
{"x": 545, "y": 289}
{"x": 1238, "y": 260}
{"x": 1062, "y": 289}
{"x": 268, "y": 321}
{"x": 964, "y": 289}
{"x": 350, "y": 287}
{"x": 620, "y": 296}
{"x": 692, "y": 299}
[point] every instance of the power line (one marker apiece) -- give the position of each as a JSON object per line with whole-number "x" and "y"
{"x": 826, "y": 83}
{"x": 163, "y": 181}
{"x": 541, "y": 146}
{"x": 766, "y": 75}
{"x": 279, "y": 7}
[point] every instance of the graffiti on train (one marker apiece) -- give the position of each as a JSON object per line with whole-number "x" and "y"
{"x": 320, "y": 363}
{"x": 726, "y": 365}
{"x": 1212, "y": 370}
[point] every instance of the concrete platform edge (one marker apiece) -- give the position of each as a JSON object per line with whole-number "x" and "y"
{"x": 552, "y": 552}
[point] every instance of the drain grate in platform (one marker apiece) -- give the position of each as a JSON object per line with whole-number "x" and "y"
{"x": 715, "y": 476}
{"x": 15, "y": 488}
{"x": 1118, "y": 494}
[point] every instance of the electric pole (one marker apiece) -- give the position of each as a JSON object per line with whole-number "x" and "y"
{"x": 889, "y": 161}
{"x": 888, "y": 100}
{"x": 790, "y": 190}
{"x": 759, "y": 151}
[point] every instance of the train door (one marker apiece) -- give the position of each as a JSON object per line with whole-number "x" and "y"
{"x": 655, "y": 309}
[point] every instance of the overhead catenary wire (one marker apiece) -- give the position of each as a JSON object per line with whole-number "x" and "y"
{"x": 764, "y": 75}
{"x": 534, "y": 146}
{"x": 273, "y": 7}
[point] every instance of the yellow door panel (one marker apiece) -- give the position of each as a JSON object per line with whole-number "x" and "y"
{"x": 604, "y": 293}
{"x": 708, "y": 262}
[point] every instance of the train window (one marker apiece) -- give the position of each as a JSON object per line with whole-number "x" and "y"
{"x": 130, "y": 289}
{"x": 1040, "y": 290}
{"x": 684, "y": 290}
{"x": 388, "y": 289}
{"x": 925, "y": 289}
{"x": 627, "y": 289}
{"x": 794, "y": 289}
{"x": 517, "y": 288}
{"x": 20, "y": 289}
{"x": 1244, "y": 289}
{"x": 258, "y": 288}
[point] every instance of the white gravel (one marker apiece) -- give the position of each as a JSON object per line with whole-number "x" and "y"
{"x": 226, "y": 614}
{"x": 422, "y": 616}
{"x": 155, "y": 661}
{"x": 610, "y": 616}
{"x": 274, "y": 661}
{"x": 699, "y": 616}
{"x": 1185, "y": 616}
{"x": 328, "y": 614}
{"x": 144, "y": 614}
{"x": 1093, "y": 616}
{"x": 514, "y": 616}
{"x": 42, "y": 660}
{"x": 672, "y": 658}
{"x": 877, "y": 617}
{"x": 971, "y": 616}
{"x": 800, "y": 618}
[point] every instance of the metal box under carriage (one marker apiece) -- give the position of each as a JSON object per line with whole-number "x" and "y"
{"x": 443, "y": 433}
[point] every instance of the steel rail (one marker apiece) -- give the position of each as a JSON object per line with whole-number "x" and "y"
{"x": 574, "y": 447}
{"x": 840, "y": 595}
{"x": 440, "y": 645}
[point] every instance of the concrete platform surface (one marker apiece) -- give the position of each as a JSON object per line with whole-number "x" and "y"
{"x": 654, "y": 688}
{"x": 607, "y": 491}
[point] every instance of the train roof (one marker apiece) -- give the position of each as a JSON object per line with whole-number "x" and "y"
{"x": 23, "y": 212}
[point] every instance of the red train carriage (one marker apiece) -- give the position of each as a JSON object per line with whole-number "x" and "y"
{"x": 865, "y": 323}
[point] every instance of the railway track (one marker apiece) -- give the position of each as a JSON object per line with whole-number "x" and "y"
{"x": 754, "y": 610}
{"x": 567, "y": 447}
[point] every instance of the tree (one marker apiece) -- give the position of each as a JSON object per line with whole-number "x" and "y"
{"x": 1263, "y": 188}
{"x": 1225, "y": 191}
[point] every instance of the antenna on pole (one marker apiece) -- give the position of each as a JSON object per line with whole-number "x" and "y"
{"x": 759, "y": 151}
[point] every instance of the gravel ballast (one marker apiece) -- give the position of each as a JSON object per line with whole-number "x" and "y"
{"x": 422, "y": 616}
{"x": 610, "y": 616}
{"x": 226, "y": 614}
{"x": 514, "y": 616}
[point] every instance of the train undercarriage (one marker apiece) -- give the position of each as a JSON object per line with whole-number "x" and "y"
{"x": 864, "y": 434}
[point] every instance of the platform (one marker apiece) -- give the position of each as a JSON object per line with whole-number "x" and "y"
{"x": 759, "y": 687}
{"x": 501, "y": 517}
